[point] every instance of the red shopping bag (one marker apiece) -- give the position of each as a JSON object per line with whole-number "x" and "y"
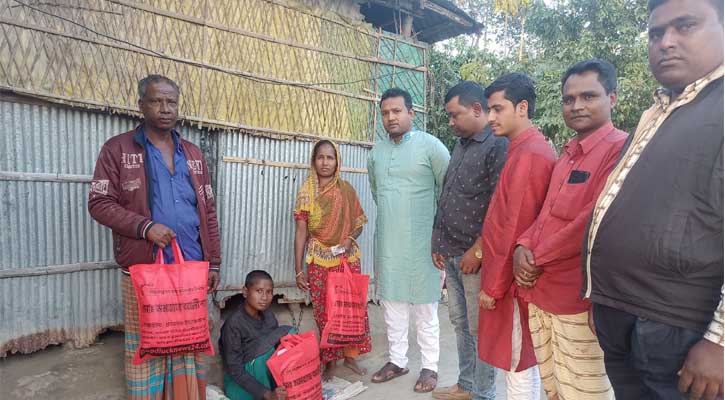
{"x": 296, "y": 366}
{"x": 346, "y": 306}
{"x": 172, "y": 306}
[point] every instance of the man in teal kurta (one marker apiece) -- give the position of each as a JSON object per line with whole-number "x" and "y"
{"x": 406, "y": 172}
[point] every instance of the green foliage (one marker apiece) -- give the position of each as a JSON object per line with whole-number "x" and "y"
{"x": 558, "y": 34}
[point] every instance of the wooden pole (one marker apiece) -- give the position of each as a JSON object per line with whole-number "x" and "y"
{"x": 407, "y": 29}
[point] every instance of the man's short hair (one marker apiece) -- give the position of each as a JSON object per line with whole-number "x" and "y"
{"x": 143, "y": 83}
{"x": 468, "y": 92}
{"x": 397, "y": 92}
{"x": 516, "y": 88}
{"x": 607, "y": 74}
{"x": 717, "y": 4}
{"x": 256, "y": 276}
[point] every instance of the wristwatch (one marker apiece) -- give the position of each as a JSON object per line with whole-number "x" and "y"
{"x": 478, "y": 253}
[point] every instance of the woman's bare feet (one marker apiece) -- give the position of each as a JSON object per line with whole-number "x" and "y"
{"x": 354, "y": 366}
{"x": 329, "y": 371}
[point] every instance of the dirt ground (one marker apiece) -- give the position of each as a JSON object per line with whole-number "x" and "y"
{"x": 96, "y": 372}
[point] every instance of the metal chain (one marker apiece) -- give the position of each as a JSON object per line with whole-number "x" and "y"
{"x": 296, "y": 322}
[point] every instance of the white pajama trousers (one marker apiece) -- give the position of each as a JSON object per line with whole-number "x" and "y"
{"x": 397, "y": 319}
{"x": 526, "y": 384}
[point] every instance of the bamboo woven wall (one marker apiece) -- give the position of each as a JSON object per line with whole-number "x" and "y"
{"x": 267, "y": 65}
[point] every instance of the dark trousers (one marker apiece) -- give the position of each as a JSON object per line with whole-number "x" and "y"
{"x": 642, "y": 357}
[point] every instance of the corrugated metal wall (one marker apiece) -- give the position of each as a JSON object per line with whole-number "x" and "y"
{"x": 45, "y": 223}
{"x": 257, "y": 201}
{"x": 58, "y": 281}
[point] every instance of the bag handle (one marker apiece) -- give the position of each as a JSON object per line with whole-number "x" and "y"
{"x": 345, "y": 266}
{"x": 348, "y": 271}
{"x": 178, "y": 255}
{"x": 294, "y": 339}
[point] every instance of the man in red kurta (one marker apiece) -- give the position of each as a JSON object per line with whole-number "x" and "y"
{"x": 547, "y": 259}
{"x": 504, "y": 340}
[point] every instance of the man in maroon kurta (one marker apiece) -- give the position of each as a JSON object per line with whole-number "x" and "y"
{"x": 504, "y": 338}
{"x": 547, "y": 259}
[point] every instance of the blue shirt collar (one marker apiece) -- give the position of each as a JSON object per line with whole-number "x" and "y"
{"x": 174, "y": 136}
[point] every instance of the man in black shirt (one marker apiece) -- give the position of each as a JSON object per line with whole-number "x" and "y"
{"x": 470, "y": 181}
{"x": 653, "y": 261}
{"x": 248, "y": 339}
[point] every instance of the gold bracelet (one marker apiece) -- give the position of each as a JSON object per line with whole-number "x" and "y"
{"x": 299, "y": 273}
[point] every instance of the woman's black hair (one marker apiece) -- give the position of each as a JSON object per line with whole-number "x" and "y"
{"x": 318, "y": 145}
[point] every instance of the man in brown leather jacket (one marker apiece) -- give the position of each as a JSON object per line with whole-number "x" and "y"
{"x": 150, "y": 186}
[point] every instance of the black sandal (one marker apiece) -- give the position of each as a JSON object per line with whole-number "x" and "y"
{"x": 425, "y": 376}
{"x": 387, "y": 372}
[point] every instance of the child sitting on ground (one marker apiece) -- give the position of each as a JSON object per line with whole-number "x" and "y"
{"x": 248, "y": 339}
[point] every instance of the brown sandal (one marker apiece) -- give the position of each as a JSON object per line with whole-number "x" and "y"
{"x": 387, "y": 372}
{"x": 425, "y": 377}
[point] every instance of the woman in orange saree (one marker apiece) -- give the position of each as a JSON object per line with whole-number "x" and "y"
{"x": 328, "y": 216}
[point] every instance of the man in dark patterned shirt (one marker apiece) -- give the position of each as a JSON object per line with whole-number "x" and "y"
{"x": 473, "y": 171}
